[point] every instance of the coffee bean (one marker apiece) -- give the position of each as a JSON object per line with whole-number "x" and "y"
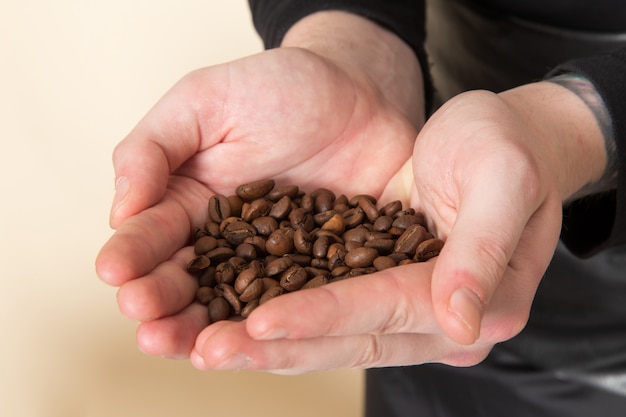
{"x": 218, "y": 309}
{"x": 361, "y": 257}
{"x": 219, "y": 208}
{"x": 266, "y": 240}
{"x": 255, "y": 189}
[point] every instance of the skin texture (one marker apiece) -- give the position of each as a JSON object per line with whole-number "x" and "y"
{"x": 489, "y": 171}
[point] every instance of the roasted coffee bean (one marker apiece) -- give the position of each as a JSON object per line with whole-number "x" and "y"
{"x": 315, "y": 282}
{"x": 384, "y": 262}
{"x": 278, "y": 266}
{"x": 361, "y": 257}
{"x": 265, "y": 240}
{"x": 245, "y": 278}
{"x": 252, "y": 291}
{"x": 204, "y": 245}
{"x": 225, "y": 273}
{"x": 237, "y": 231}
{"x": 199, "y": 263}
{"x": 390, "y": 209}
{"x": 271, "y": 293}
{"x": 279, "y": 243}
{"x": 219, "y": 309}
{"x": 281, "y": 191}
{"x": 383, "y": 223}
{"x": 293, "y": 278}
{"x": 205, "y": 294}
{"x": 249, "y": 308}
{"x": 303, "y": 242}
{"x": 410, "y": 239}
{"x": 257, "y": 208}
{"x": 255, "y": 189}
{"x": 230, "y": 295}
{"x": 281, "y": 209}
{"x": 219, "y": 208}
{"x": 428, "y": 249}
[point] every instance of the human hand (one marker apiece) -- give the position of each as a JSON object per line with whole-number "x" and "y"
{"x": 490, "y": 172}
{"x": 289, "y": 114}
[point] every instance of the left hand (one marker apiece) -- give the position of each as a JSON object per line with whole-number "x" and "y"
{"x": 490, "y": 172}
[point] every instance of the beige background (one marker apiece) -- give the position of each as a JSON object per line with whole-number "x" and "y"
{"x": 75, "y": 76}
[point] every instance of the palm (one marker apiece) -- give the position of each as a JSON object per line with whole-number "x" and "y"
{"x": 285, "y": 114}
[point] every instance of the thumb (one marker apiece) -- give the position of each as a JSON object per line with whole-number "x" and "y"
{"x": 162, "y": 141}
{"x": 474, "y": 259}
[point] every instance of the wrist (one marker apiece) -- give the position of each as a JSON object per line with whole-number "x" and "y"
{"x": 360, "y": 46}
{"x": 566, "y": 131}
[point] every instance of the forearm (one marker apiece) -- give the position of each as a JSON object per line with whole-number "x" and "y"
{"x": 361, "y": 46}
{"x": 569, "y": 137}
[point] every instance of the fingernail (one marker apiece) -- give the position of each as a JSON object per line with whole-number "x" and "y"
{"x": 235, "y": 361}
{"x": 273, "y": 333}
{"x": 197, "y": 360}
{"x": 121, "y": 192}
{"x": 467, "y": 307}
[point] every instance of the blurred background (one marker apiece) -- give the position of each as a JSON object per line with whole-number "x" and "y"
{"x": 75, "y": 77}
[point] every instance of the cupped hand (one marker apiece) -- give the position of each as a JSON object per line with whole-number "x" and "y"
{"x": 286, "y": 114}
{"x": 486, "y": 173}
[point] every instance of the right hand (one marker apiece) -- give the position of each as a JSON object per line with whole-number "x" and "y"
{"x": 287, "y": 114}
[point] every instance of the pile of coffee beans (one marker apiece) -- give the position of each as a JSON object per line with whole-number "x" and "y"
{"x": 267, "y": 240}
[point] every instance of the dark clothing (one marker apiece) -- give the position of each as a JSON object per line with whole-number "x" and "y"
{"x": 576, "y": 335}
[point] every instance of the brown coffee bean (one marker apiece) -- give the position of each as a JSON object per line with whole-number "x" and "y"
{"x": 281, "y": 191}
{"x": 390, "y": 209}
{"x": 428, "y": 249}
{"x": 323, "y": 217}
{"x": 245, "y": 278}
{"x": 219, "y": 208}
{"x": 358, "y": 234}
{"x": 278, "y": 266}
{"x": 315, "y": 282}
{"x": 303, "y": 242}
{"x": 324, "y": 200}
{"x": 300, "y": 259}
{"x": 307, "y": 203}
{"x": 301, "y": 218}
{"x": 225, "y": 273}
{"x": 406, "y": 220}
{"x": 249, "y": 308}
{"x": 269, "y": 283}
{"x": 199, "y": 263}
{"x": 382, "y": 246}
{"x": 353, "y": 244}
{"x": 361, "y": 257}
{"x": 204, "y": 245}
{"x": 252, "y": 291}
{"x": 320, "y": 247}
{"x": 207, "y": 277}
{"x": 335, "y": 224}
{"x": 410, "y": 239}
{"x": 271, "y": 293}
{"x": 319, "y": 263}
{"x": 257, "y": 208}
{"x": 236, "y": 203}
{"x": 312, "y": 271}
{"x": 205, "y": 294}
{"x": 265, "y": 225}
{"x": 384, "y": 262}
{"x": 293, "y": 278}
{"x": 230, "y": 295}
{"x": 255, "y": 189}
{"x": 279, "y": 243}
{"x": 340, "y": 271}
{"x": 281, "y": 209}
{"x": 369, "y": 208}
{"x": 220, "y": 254}
{"x": 383, "y": 223}
{"x": 213, "y": 229}
{"x": 219, "y": 309}
{"x": 246, "y": 251}
{"x": 237, "y": 231}
{"x": 353, "y": 217}
{"x": 356, "y": 200}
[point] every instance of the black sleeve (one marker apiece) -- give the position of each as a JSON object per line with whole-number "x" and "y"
{"x": 405, "y": 18}
{"x": 597, "y": 222}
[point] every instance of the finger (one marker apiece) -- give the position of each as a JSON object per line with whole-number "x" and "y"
{"x": 395, "y": 300}
{"x": 165, "y": 291}
{"x": 226, "y": 345}
{"x": 477, "y": 251}
{"x": 173, "y": 336}
{"x": 153, "y": 236}
{"x": 162, "y": 141}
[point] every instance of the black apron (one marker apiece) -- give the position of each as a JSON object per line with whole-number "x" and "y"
{"x": 570, "y": 360}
